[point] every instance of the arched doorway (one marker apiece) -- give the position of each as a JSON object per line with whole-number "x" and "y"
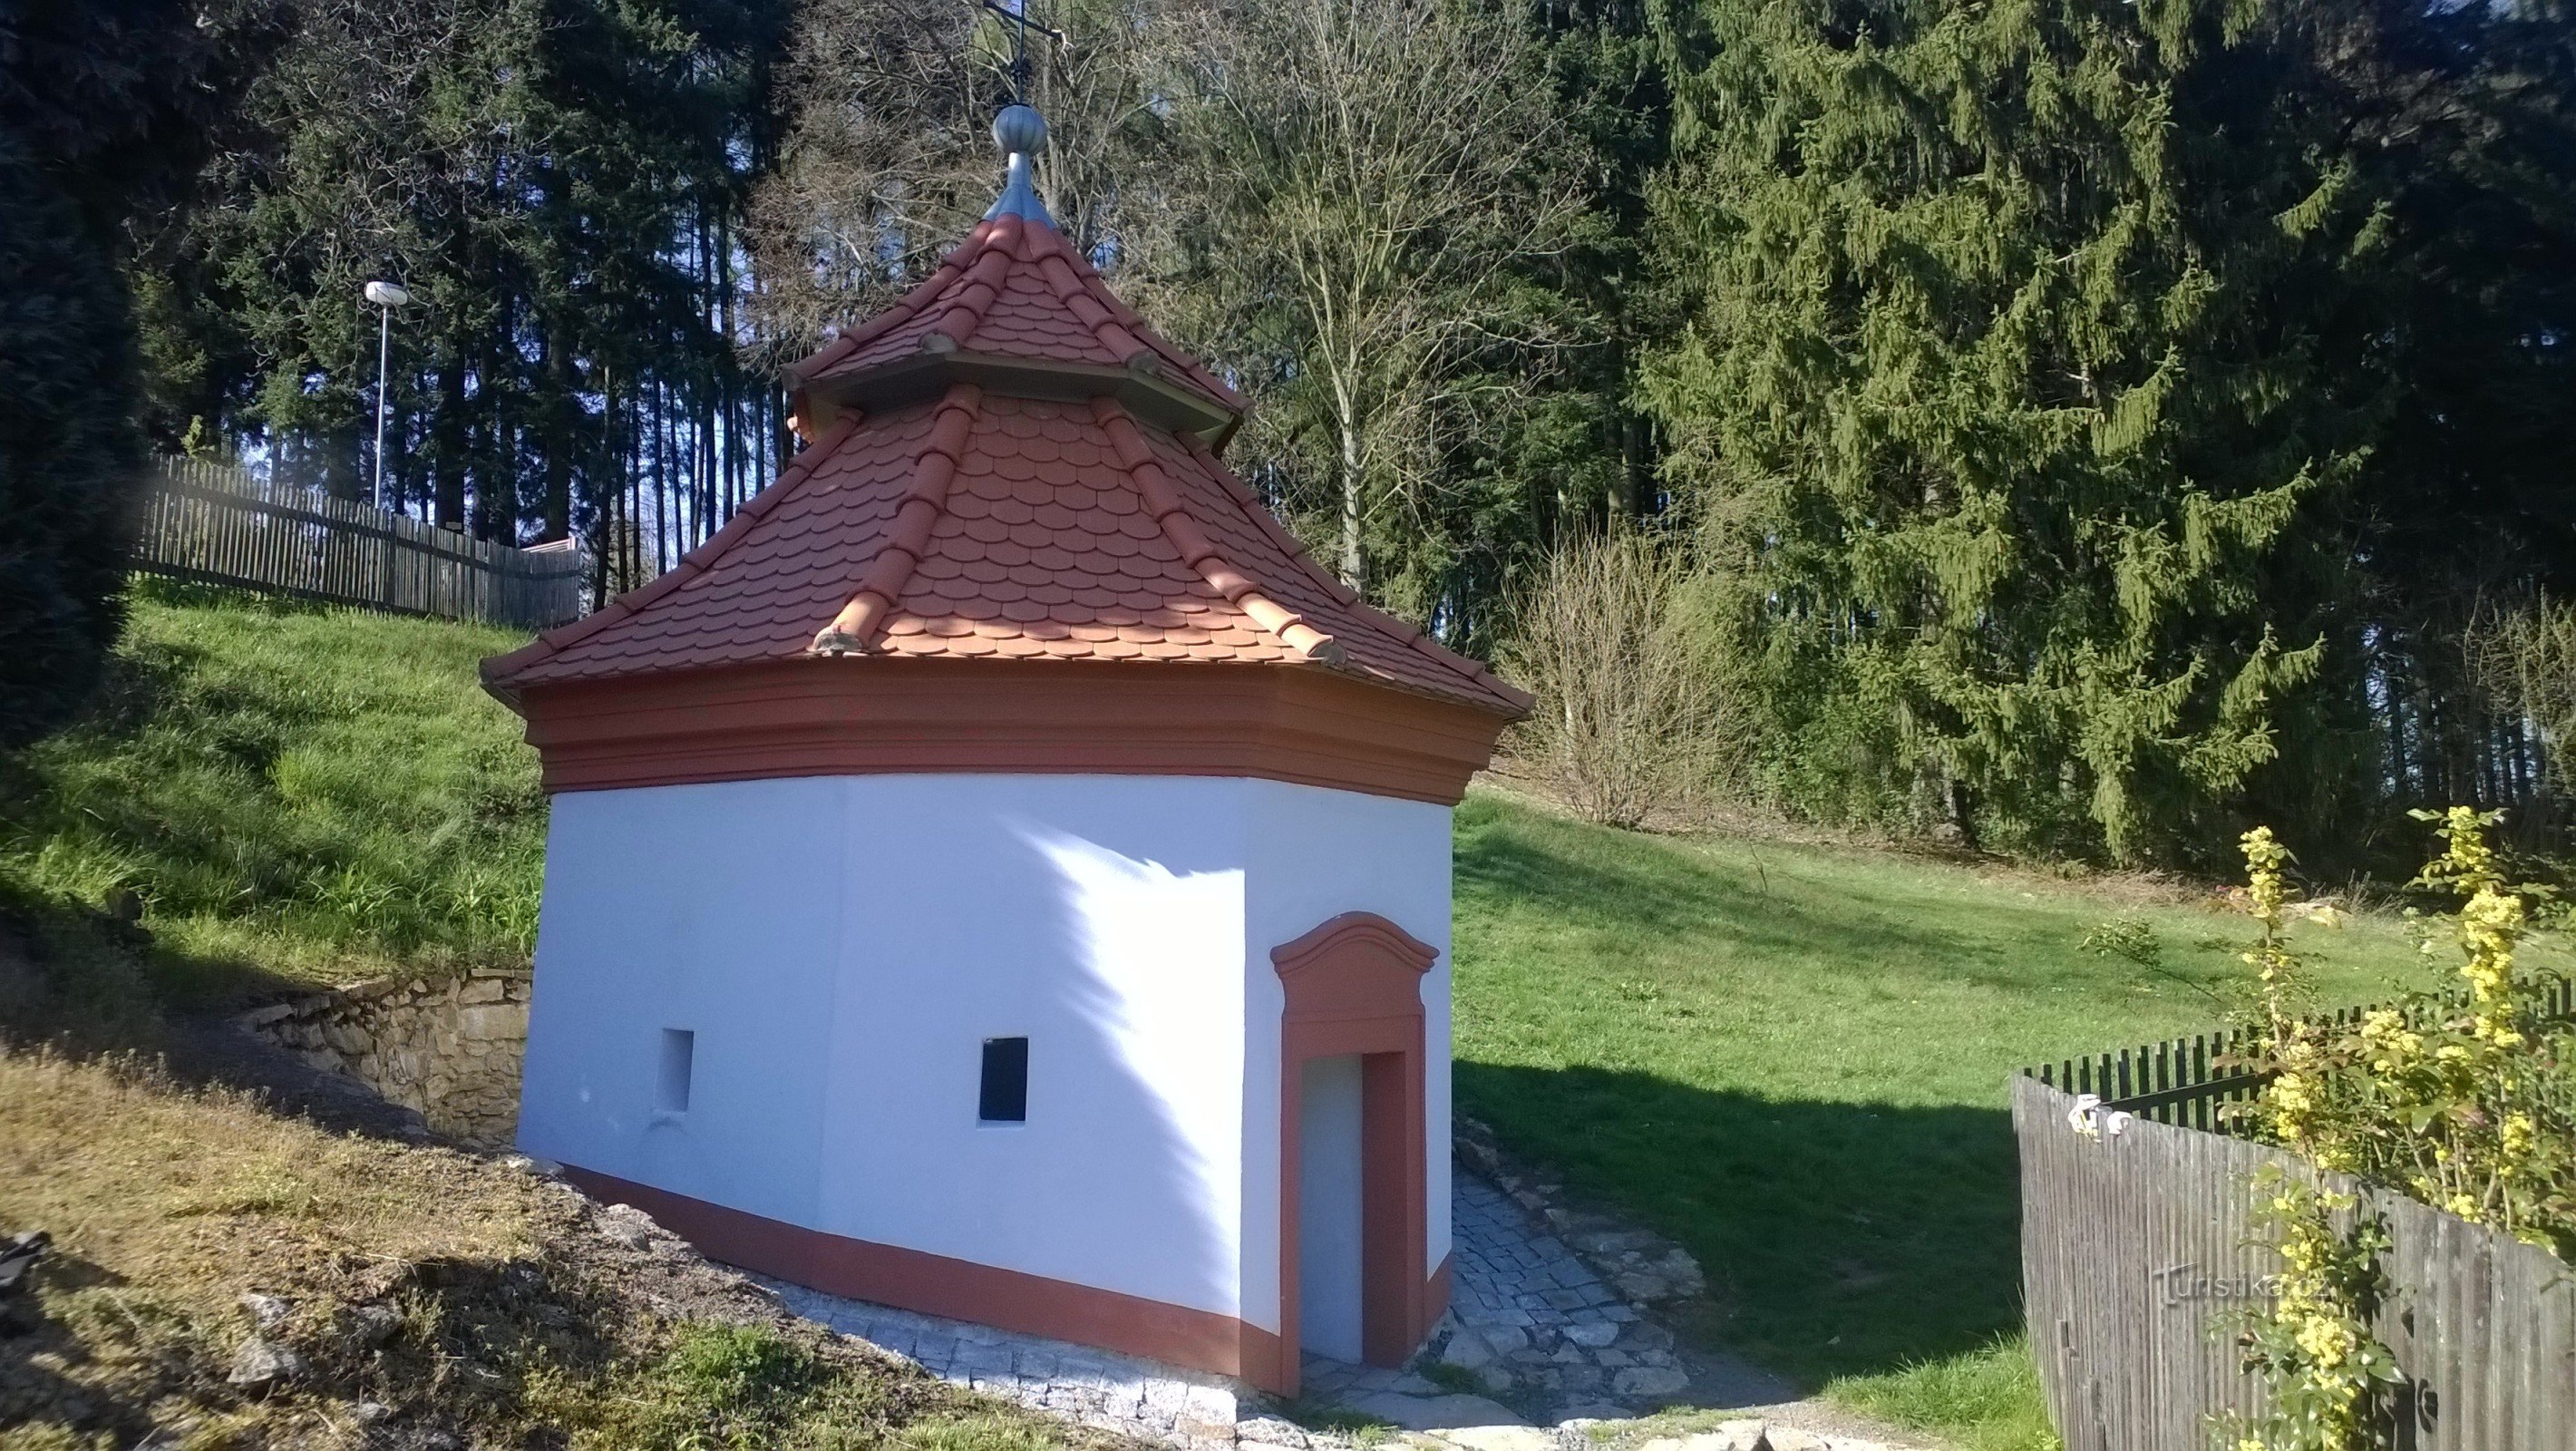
{"x": 1353, "y": 1176}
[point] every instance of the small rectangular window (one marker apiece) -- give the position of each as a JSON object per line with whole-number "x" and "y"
{"x": 671, "y": 1087}
{"x": 1005, "y": 1096}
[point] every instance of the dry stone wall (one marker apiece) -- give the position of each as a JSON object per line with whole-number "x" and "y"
{"x": 447, "y": 1048}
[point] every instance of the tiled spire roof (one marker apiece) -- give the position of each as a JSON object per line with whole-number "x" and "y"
{"x": 1008, "y": 464}
{"x": 1014, "y": 291}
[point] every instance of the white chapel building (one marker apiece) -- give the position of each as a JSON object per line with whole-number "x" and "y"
{"x": 1000, "y": 874}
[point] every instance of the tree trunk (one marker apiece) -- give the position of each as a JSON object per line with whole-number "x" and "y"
{"x": 560, "y": 405}
{"x": 1637, "y": 464}
{"x": 447, "y": 433}
{"x": 1354, "y": 557}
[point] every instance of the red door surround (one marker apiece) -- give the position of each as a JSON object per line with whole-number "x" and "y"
{"x": 1354, "y": 986}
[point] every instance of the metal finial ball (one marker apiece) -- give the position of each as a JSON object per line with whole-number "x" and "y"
{"x": 1019, "y": 129}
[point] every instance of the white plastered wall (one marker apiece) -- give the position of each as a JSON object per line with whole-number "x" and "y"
{"x": 841, "y": 947}
{"x": 1102, "y": 919}
{"x": 715, "y": 909}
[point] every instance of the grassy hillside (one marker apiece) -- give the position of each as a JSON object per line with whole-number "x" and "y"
{"x": 1790, "y": 1057}
{"x": 296, "y": 794}
{"x": 289, "y": 791}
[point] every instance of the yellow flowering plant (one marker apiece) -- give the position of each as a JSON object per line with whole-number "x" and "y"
{"x": 2327, "y": 1371}
{"x": 2288, "y": 1044}
{"x": 2464, "y": 1098}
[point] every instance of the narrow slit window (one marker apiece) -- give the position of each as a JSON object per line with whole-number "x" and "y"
{"x": 1005, "y": 1096}
{"x": 671, "y": 1085}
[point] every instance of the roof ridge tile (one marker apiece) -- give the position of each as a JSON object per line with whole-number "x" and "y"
{"x": 897, "y": 313}
{"x": 1098, "y": 287}
{"x": 959, "y": 300}
{"x": 855, "y": 627}
{"x": 1087, "y": 307}
{"x": 1406, "y": 631}
{"x": 1171, "y": 514}
{"x": 985, "y": 276}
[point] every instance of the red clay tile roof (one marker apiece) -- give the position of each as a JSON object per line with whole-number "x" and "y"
{"x": 975, "y": 522}
{"x": 1014, "y": 288}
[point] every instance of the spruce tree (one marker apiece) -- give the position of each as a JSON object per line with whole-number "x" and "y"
{"x": 68, "y": 450}
{"x": 2024, "y": 374}
{"x": 556, "y": 182}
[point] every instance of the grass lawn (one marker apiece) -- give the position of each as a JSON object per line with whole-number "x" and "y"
{"x": 1792, "y": 1059}
{"x": 307, "y": 794}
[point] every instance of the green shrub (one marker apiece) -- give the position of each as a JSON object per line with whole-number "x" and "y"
{"x": 2465, "y": 1098}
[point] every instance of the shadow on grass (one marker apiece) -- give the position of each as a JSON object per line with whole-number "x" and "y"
{"x": 1839, "y": 1238}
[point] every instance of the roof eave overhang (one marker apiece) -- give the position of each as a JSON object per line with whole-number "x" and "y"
{"x": 1518, "y": 709}
{"x": 868, "y": 715}
{"x": 1140, "y": 386}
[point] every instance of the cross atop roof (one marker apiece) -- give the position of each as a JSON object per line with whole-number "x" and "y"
{"x": 1015, "y": 13}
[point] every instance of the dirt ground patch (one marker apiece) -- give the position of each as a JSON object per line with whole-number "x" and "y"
{"x": 224, "y": 1276}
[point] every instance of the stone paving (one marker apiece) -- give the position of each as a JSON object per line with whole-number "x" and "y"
{"x": 1096, "y": 1387}
{"x": 1530, "y": 1327}
{"x": 1506, "y": 1271}
{"x": 1529, "y": 1324}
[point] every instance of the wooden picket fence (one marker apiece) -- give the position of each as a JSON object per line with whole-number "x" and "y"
{"x": 2140, "y": 1248}
{"x": 2188, "y": 1080}
{"x": 222, "y": 525}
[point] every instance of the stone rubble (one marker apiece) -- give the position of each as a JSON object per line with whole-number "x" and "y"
{"x": 260, "y": 1364}
{"x": 627, "y": 1225}
{"x": 372, "y": 1325}
{"x": 447, "y": 1048}
{"x": 1550, "y": 1312}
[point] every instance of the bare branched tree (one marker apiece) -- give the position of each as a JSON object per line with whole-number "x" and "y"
{"x": 1627, "y": 720}
{"x": 882, "y": 164}
{"x": 2526, "y": 660}
{"x": 889, "y": 158}
{"x": 1341, "y": 203}
{"x": 1364, "y": 179}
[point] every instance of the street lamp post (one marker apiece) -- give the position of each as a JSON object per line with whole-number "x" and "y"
{"x": 386, "y": 296}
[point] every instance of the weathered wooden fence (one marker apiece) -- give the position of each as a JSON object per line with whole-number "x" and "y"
{"x": 224, "y": 525}
{"x": 2187, "y": 1080}
{"x": 2137, "y": 1248}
